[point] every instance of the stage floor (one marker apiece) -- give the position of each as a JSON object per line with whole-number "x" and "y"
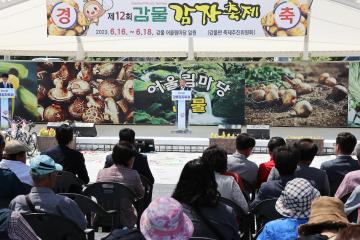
{"x": 166, "y": 166}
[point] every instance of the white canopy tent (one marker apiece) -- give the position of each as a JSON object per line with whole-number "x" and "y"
{"x": 334, "y": 31}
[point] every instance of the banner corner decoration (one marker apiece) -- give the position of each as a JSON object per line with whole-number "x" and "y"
{"x": 169, "y": 18}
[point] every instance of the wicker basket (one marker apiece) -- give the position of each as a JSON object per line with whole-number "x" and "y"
{"x": 319, "y": 142}
{"x": 44, "y": 143}
{"x": 227, "y": 143}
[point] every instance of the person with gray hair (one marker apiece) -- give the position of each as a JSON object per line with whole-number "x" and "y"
{"x": 351, "y": 180}
{"x": 42, "y": 198}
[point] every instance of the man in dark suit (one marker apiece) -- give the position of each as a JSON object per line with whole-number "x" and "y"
{"x": 318, "y": 178}
{"x": 4, "y": 83}
{"x": 141, "y": 164}
{"x": 182, "y": 86}
{"x": 72, "y": 160}
{"x": 343, "y": 163}
{"x": 286, "y": 160}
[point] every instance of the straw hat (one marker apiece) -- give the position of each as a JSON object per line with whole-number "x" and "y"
{"x": 325, "y": 210}
{"x": 165, "y": 219}
{"x": 295, "y": 200}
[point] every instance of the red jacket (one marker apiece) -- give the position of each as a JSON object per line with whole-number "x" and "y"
{"x": 264, "y": 171}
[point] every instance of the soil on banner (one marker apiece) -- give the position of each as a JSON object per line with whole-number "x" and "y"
{"x": 326, "y": 110}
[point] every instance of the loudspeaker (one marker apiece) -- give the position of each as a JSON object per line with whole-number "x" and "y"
{"x": 145, "y": 145}
{"x": 229, "y": 129}
{"x": 258, "y": 131}
{"x": 84, "y": 129}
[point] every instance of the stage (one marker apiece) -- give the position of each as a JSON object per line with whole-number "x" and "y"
{"x": 176, "y": 144}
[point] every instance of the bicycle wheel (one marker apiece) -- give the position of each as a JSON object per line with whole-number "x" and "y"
{"x": 32, "y": 144}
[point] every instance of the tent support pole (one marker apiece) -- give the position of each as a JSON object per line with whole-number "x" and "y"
{"x": 7, "y": 57}
{"x": 190, "y": 49}
{"x": 306, "y": 55}
{"x": 80, "y": 54}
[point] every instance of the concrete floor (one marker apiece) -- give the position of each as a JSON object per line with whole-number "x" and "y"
{"x": 167, "y": 166}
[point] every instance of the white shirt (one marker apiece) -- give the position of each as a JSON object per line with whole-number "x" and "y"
{"x": 21, "y": 170}
{"x": 229, "y": 189}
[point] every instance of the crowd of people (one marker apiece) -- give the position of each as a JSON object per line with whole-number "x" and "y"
{"x": 312, "y": 204}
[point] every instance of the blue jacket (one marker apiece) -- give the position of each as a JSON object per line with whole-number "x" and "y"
{"x": 281, "y": 229}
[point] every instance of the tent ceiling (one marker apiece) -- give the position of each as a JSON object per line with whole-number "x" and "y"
{"x": 334, "y": 31}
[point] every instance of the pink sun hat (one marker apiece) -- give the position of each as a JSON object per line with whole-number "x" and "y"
{"x": 164, "y": 219}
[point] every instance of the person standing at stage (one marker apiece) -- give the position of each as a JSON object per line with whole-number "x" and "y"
{"x": 4, "y": 83}
{"x": 265, "y": 168}
{"x": 72, "y": 160}
{"x": 343, "y": 163}
{"x": 141, "y": 165}
{"x": 239, "y": 163}
{"x": 182, "y": 87}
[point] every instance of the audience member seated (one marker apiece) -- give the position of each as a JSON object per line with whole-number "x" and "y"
{"x": 352, "y": 232}
{"x": 216, "y": 157}
{"x": 42, "y": 198}
{"x": 294, "y": 204}
{"x": 286, "y": 159}
{"x": 197, "y": 192}
{"x": 318, "y": 178}
{"x": 2, "y": 146}
{"x": 14, "y": 227}
{"x": 72, "y": 160}
{"x": 327, "y": 217}
{"x": 141, "y": 164}
{"x": 15, "y": 160}
{"x": 350, "y": 181}
{"x": 353, "y": 202}
{"x": 343, "y": 163}
{"x": 11, "y": 186}
{"x": 265, "y": 168}
{"x": 121, "y": 172}
{"x": 164, "y": 219}
{"x": 239, "y": 163}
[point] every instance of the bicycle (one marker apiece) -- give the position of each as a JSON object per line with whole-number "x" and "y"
{"x": 21, "y": 130}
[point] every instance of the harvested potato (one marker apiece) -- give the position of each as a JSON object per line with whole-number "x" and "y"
{"x": 330, "y": 81}
{"x": 298, "y": 30}
{"x": 272, "y": 95}
{"x": 323, "y": 76}
{"x": 304, "y": 8}
{"x": 289, "y": 97}
{"x": 271, "y": 87}
{"x": 273, "y": 30}
{"x": 270, "y": 19}
{"x": 70, "y": 33}
{"x": 302, "y": 109}
{"x": 281, "y": 33}
{"x": 82, "y": 20}
{"x": 55, "y": 30}
{"x": 300, "y": 76}
{"x": 258, "y": 95}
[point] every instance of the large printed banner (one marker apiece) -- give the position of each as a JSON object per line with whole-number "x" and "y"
{"x": 276, "y": 94}
{"x": 184, "y": 18}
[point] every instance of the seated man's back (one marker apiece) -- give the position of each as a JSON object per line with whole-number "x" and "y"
{"x": 11, "y": 186}
{"x": 45, "y": 200}
{"x": 42, "y": 198}
{"x": 337, "y": 169}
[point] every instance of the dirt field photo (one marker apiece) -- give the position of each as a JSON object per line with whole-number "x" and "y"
{"x": 297, "y": 94}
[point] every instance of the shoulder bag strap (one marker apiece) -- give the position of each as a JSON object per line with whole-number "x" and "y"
{"x": 209, "y": 224}
{"x": 30, "y": 204}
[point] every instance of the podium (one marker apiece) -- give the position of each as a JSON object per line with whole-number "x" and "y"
{"x": 5, "y": 107}
{"x": 182, "y": 111}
